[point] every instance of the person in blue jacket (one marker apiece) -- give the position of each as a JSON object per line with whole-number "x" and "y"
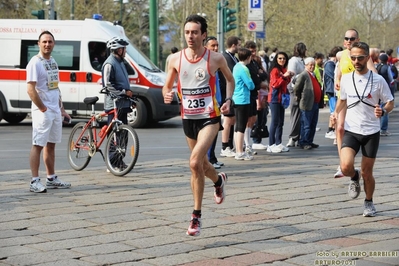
{"x": 241, "y": 99}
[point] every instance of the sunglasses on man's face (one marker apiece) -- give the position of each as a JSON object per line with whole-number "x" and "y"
{"x": 359, "y": 57}
{"x": 350, "y": 38}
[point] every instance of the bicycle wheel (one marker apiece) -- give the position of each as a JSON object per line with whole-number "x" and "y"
{"x": 79, "y": 147}
{"x": 122, "y": 150}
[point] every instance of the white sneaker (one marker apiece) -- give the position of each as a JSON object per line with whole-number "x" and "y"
{"x": 291, "y": 143}
{"x": 273, "y": 149}
{"x": 339, "y": 173}
{"x": 250, "y": 151}
{"x": 216, "y": 166}
{"x": 227, "y": 153}
{"x": 259, "y": 146}
{"x": 330, "y": 135}
{"x": 37, "y": 187}
{"x": 57, "y": 183}
{"x": 283, "y": 148}
{"x": 243, "y": 157}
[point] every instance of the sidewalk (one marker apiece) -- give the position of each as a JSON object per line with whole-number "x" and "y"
{"x": 281, "y": 209}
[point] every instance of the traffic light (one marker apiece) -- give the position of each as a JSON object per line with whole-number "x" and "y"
{"x": 229, "y": 18}
{"x": 38, "y": 13}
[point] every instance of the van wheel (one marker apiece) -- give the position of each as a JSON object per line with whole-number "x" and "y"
{"x": 138, "y": 117}
{"x": 1, "y": 112}
{"x": 13, "y": 118}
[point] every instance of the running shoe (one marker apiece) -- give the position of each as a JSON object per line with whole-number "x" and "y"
{"x": 354, "y": 187}
{"x": 243, "y": 157}
{"x": 250, "y": 151}
{"x": 57, "y": 183}
{"x": 330, "y": 135}
{"x": 369, "y": 209}
{"x": 220, "y": 192}
{"x": 227, "y": 153}
{"x": 37, "y": 187}
{"x": 283, "y": 148}
{"x": 339, "y": 173}
{"x": 195, "y": 226}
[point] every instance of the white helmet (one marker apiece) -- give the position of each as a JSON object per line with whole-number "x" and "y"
{"x": 116, "y": 43}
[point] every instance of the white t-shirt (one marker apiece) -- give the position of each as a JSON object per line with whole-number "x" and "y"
{"x": 371, "y": 87}
{"x": 46, "y": 81}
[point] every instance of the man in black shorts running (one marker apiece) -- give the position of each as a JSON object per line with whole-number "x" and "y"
{"x": 361, "y": 92}
{"x": 196, "y": 69}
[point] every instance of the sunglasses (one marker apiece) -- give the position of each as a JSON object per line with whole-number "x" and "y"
{"x": 350, "y": 38}
{"x": 359, "y": 57}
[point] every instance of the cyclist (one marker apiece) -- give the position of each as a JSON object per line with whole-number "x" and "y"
{"x": 115, "y": 78}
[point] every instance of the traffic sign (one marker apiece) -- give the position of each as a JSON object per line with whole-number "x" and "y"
{"x": 255, "y": 3}
{"x": 260, "y": 35}
{"x": 255, "y": 10}
{"x": 255, "y": 25}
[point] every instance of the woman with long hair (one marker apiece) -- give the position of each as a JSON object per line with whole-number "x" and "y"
{"x": 279, "y": 79}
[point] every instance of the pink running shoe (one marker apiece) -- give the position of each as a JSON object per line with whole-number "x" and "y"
{"x": 220, "y": 192}
{"x": 195, "y": 226}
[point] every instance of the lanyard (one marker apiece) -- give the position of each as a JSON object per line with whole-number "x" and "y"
{"x": 365, "y": 88}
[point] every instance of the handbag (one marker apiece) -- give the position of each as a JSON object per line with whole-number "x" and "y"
{"x": 285, "y": 100}
{"x": 259, "y": 132}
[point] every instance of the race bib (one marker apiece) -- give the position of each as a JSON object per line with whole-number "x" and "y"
{"x": 52, "y": 73}
{"x": 197, "y": 101}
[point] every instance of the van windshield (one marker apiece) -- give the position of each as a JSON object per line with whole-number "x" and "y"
{"x": 141, "y": 59}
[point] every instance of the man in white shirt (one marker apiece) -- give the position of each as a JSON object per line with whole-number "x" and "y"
{"x": 361, "y": 92}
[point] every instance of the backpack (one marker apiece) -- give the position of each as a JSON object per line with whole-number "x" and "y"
{"x": 383, "y": 71}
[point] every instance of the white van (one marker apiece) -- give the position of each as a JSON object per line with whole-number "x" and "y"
{"x": 79, "y": 51}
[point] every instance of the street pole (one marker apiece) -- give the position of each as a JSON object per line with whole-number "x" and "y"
{"x": 51, "y": 14}
{"x": 154, "y": 31}
{"x": 238, "y": 30}
{"x": 121, "y": 11}
{"x": 72, "y": 9}
{"x": 220, "y": 34}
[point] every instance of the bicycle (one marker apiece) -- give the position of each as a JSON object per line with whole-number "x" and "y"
{"x": 122, "y": 146}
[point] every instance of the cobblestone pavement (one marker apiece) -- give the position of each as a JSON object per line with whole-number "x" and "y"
{"x": 281, "y": 209}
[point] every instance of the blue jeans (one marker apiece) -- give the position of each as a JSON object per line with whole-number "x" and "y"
{"x": 384, "y": 121}
{"x": 276, "y": 123}
{"x": 308, "y": 125}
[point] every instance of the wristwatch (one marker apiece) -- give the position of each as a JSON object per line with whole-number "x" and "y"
{"x": 228, "y": 99}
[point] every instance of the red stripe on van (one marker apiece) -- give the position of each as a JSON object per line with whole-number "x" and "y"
{"x": 65, "y": 76}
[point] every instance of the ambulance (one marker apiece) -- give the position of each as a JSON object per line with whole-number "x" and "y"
{"x": 80, "y": 50}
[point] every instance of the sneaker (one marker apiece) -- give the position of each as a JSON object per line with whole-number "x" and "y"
{"x": 227, "y": 153}
{"x": 220, "y": 163}
{"x": 385, "y": 133}
{"x": 318, "y": 129}
{"x": 195, "y": 226}
{"x": 354, "y": 187}
{"x": 369, "y": 209}
{"x": 335, "y": 142}
{"x": 339, "y": 173}
{"x": 314, "y": 146}
{"x": 37, "y": 187}
{"x": 216, "y": 166}
{"x": 306, "y": 147}
{"x": 291, "y": 143}
{"x": 330, "y": 135}
{"x": 250, "y": 151}
{"x": 259, "y": 146}
{"x": 243, "y": 157}
{"x": 220, "y": 192}
{"x": 283, "y": 148}
{"x": 57, "y": 183}
{"x": 273, "y": 149}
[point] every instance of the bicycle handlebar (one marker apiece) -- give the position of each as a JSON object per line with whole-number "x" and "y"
{"x": 106, "y": 91}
